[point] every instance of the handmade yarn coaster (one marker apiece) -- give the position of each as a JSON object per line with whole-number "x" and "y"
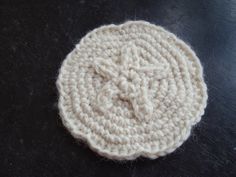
{"x": 131, "y": 90}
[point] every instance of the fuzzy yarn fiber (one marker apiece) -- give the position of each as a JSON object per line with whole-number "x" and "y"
{"x": 131, "y": 90}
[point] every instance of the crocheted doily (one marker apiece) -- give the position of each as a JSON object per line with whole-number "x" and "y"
{"x": 131, "y": 90}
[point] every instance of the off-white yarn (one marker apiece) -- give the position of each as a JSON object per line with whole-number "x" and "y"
{"x": 131, "y": 90}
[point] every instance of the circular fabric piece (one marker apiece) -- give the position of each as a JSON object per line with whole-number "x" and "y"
{"x": 131, "y": 90}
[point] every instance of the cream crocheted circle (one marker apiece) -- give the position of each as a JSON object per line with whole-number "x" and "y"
{"x": 131, "y": 90}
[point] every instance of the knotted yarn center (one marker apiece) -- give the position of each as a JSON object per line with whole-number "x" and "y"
{"x": 128, "y": 79}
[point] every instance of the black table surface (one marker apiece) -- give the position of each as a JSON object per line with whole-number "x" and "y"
{"x": 36, "y": 36}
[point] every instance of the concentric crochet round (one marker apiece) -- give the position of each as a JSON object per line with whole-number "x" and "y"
{"x": 131, "y": 90}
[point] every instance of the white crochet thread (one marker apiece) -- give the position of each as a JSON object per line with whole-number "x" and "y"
{"x": 131, "y": 90}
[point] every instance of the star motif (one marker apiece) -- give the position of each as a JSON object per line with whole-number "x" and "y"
{"x": 128, "y": 80}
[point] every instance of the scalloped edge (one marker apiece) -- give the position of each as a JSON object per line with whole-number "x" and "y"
{"x": 148, "y": 154}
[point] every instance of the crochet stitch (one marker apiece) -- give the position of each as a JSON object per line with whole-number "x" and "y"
{"x": 131, "y": 90}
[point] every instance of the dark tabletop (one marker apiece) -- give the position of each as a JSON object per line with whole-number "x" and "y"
{"x": 35, "y": 37}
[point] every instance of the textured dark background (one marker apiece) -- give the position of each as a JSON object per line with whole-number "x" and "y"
{"x": 35, "y": 37}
